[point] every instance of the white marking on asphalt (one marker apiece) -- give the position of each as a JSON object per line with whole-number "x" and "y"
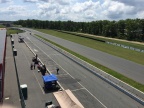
{"x": 35, "y": 50}
{"x": 71, "y": 76}
{"x": 39, "y": 83}
{"x": 51, "y": 65}
{"x": 7, "y": 98}
{"x": 78, "y": 89}
{"x": 54, "y": 54}
{"x": 62, "y": 74}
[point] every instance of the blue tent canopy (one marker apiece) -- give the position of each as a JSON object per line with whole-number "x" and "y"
{"x": 49, "y": 78}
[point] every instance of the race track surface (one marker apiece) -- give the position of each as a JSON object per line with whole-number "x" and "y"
{"x": 91, "y": 91}
{"x": 127, "y": 68}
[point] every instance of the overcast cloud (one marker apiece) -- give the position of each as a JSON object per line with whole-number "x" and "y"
{"x": 75, "y": 10}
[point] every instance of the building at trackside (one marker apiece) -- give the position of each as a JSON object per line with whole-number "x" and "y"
{"x": 2, "y": 60}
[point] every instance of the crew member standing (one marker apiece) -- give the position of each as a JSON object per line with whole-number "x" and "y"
{"x": 57, "y": 69}
{"x": 36, "y": 56}
{"x": 31, "y": 66}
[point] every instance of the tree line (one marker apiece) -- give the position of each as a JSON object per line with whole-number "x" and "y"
{"x": 129, "y": 29}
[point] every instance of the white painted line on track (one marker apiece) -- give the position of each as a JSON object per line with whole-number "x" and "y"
{"x": 77, "y": 89}
{"x": 62, "y": 74}
{"x": 7, "y": 98}
{"x": 39, "y": 84}
{"x": 71, "y": 76}
{"x": 54, "y": 54}
{"x": 35, "y": 50}
{"x": 51, "y": 65}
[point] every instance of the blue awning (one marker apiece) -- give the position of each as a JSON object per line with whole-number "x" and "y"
{"x": 49, "y": 78}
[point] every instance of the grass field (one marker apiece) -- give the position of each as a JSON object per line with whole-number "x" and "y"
{"x": 111, "y": 72}
{"x": 119, "y": 41}
{"x": 13, "y": 31}
{"x": 131, "y": 55}
{"x": 2, "y": 26}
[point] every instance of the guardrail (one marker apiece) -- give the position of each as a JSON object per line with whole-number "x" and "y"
{"x": 120, "y": 85}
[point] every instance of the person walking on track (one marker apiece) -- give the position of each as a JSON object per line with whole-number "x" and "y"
{"x": 57, "y": 69}
{"x": 31, "y": 66}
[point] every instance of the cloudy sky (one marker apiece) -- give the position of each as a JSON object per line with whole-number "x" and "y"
{"x": 75, "y": 10}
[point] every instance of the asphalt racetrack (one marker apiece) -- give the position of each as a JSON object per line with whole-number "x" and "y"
{"x": 91, "y": 91}
{"x": 127, "y": 68}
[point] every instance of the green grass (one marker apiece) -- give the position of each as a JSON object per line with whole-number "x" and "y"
{"x": 17, "y": 26}
{"x": 2, "y": 26}
{"x": 128, "y": 43}
{"x": 13, "y": 31}
{"x": 111, "y": 72}
{"x": 131, "y": 55}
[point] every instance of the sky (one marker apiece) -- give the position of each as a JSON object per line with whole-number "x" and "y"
{"x": 74, "y": 10}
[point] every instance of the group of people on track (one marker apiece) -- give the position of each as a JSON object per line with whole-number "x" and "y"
{"x": 42, "y": 68}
